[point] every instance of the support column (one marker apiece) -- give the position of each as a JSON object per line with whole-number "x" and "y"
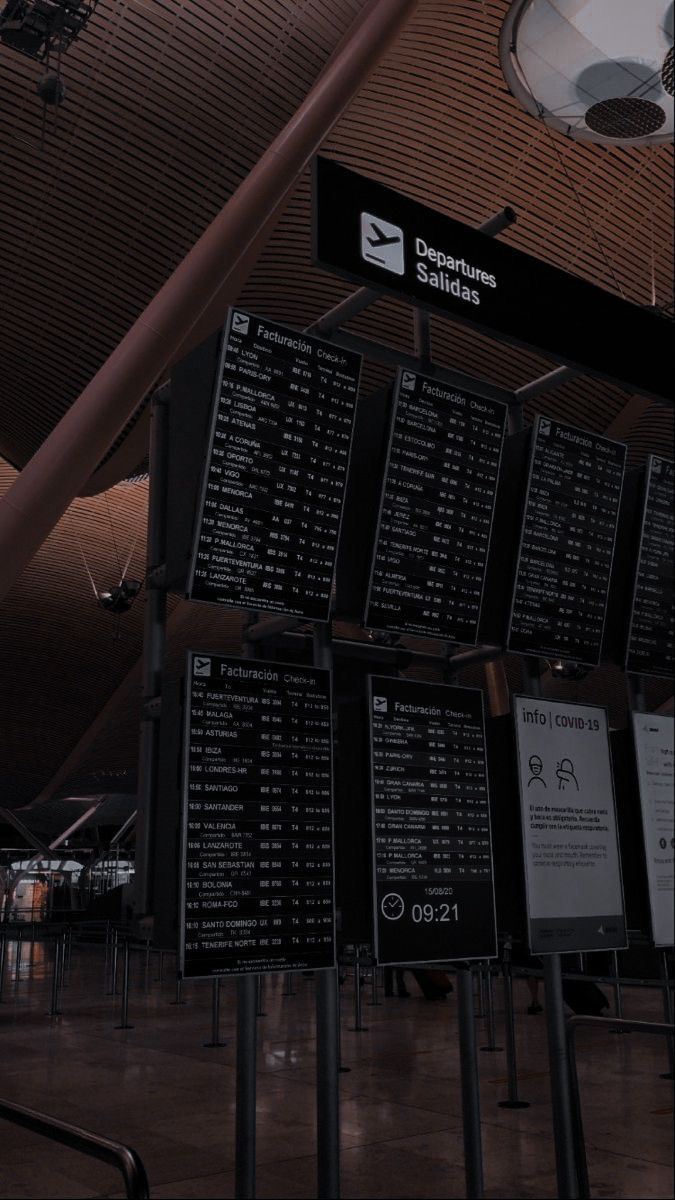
{"x": 154, "y": 642}
{"x": 327, "y": 1032}
{"x": 473, "y": 1152}
{"x": 245, "y": 1121}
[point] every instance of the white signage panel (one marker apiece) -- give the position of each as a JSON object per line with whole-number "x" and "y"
{"x": 655, "y": 752}
{"x": 570, "y": 840}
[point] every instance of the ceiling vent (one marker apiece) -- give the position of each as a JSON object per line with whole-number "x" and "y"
{"x": 627, "y": 118}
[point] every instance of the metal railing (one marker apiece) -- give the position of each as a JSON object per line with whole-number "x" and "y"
{"x": 611, "y": 1023}
{"x": 93, "y": 1144}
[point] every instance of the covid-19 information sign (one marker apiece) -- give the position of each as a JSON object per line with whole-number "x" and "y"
{"x": 655, "y": 752}
{"x": 570, "y": 840}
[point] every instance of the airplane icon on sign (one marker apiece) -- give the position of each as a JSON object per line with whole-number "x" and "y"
{"x": 240, "y": 322}
{"x": 382, "y": 243}
{"x": 381, "y": 239}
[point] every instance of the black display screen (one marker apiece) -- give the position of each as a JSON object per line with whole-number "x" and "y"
{"x": 432, "y": 858}
{"x": 257, "y": 880}
{"x": 436, "y": 512}
{"x": 273, "y": 484}
{"x": 567, "y": 543}
{"x": 652, "y": 627}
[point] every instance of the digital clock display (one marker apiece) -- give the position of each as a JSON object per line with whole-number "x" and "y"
{"x": 432, "y": 858}
{"x": 431, "y": 912}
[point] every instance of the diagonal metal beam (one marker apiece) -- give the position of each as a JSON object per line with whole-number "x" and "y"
{"x": 68, "y": 456}
{"x": 32, "y": 838}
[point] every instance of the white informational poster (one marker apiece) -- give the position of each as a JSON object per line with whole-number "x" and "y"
{"x": 655, "y": 751}
{"x": 568, "y": 816}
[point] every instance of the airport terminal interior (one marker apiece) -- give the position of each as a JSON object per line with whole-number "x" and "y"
{"x": 336, "y": 582}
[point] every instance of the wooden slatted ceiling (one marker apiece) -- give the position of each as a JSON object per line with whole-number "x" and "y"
{"x": 164, "y": 115}
{"x": 169, "y": 104}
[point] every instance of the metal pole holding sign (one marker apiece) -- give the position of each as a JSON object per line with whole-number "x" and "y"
{"x": 480, "y": 995}
{"x": 260, "y": 1008}
{"x": 561, "y": 1092}
{"x": 113, "y": 966}
{"x": 327, "y": 1032}
{"x": 248, "y": 995}
{"x": 327, "y": 1090}
{"x": 154, "y": 640}
{"x": 486, "y": 973}
{"x": 667, "y": 1013}
{"x": 124, "y": 1023}
{"x": 215, "y": 1016}
{"x": 563, "y": 1131}
{"x": 473, "y": 1155}
{"x": 618, "y": 1000}
{"x": 245, "y": 1126}
{"x": 513, "y": 1100}
{"x": 54, "y": 1010}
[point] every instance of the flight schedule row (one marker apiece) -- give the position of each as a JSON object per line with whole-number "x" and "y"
{"x": 274, "y": 478}
{"x": 257, "y": 818}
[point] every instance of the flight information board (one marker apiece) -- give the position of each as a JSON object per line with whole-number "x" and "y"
{"x": 430, "y": 554}
{"x": 432, "y": 857}
{"x": 652, "y": 624}
{"x": 257, "y": 856}
{"x": 273, "y": 484}
{"x": 567, "y": 543}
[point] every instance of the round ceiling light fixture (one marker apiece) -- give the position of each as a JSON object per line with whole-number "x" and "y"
{"x": 597, "y": 70}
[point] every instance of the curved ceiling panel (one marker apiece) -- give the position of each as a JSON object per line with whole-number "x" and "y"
{"x": 169, "y": 103}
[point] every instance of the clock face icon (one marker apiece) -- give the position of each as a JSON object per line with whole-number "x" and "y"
{"x": 392, "y": 906}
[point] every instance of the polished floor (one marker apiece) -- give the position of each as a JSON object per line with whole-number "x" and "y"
{"x": 158, "y": 1088}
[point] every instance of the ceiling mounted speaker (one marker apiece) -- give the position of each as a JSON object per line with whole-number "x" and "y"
{"x": 626, "y": 118}
{"x": 51, "y": 89}
{"x": 599, "y": 70}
